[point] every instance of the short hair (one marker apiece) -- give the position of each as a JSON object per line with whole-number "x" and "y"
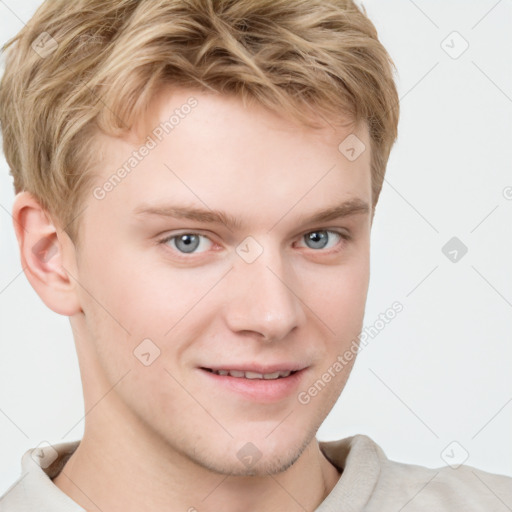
{"x": 110, "y": 57}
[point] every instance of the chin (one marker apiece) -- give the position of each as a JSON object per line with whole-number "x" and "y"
{"x": 269, "y": 465}
{"x": 273, "y": 456}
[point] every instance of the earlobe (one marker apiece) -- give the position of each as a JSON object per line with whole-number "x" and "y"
{"x": 45, "y": 251}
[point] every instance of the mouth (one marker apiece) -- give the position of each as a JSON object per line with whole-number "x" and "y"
{"x": 241, "y": 374}
{"x": 255, "y": 383}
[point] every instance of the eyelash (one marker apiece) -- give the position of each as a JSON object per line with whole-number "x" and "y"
{"x": 343, "y": 235}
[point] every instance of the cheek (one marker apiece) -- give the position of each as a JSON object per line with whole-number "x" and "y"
{"x": 136, "y": 303}
{"x": 353, "y": 287}
{"x": 135, "y": 292}
{"x": 338, "y": 295}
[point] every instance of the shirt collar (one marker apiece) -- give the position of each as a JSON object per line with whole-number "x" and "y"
{"x": 358, "y": 458}
{"x": 34, "y": 489}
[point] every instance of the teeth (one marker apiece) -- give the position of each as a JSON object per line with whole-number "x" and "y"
{"x": 253, "y": 375}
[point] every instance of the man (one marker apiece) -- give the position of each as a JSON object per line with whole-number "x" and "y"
{"x": 196, "y": 183}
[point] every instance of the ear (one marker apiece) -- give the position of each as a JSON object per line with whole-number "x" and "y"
{"x": 45, "y": 252}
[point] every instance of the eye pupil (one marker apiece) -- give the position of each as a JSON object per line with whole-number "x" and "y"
{"x": 191, "y": 242}
{"x": 318, "y": 237}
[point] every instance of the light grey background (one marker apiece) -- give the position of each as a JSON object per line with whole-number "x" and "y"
{"x": 440, "y": 371}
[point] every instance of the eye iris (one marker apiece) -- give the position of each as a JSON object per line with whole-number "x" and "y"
{"x": 318, "y": 237}
{"x": 191, "y": 242}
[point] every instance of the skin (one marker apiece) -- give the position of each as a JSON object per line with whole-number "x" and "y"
{"x": 163, "y": 437}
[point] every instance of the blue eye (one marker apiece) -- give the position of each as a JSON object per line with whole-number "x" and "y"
{"x": 189, "y": 243}
{"x": 319, "y": 238}
{"x": 186, "y": 243}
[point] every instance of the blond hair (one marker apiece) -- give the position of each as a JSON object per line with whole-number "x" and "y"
{"x": 82, "y": 67}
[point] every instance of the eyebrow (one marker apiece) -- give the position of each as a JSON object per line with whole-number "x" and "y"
{"x": 347, "y": 208}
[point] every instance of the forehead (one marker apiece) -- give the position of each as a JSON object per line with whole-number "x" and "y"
{"x": 212, "y": 109}
{"x": 221, "y": 153}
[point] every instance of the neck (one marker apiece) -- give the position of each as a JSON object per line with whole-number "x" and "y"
{"x": 125, "y": 469}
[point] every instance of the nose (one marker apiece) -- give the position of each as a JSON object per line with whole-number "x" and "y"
{"x": 262, "y": 298}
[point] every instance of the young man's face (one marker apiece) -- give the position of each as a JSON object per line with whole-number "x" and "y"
{"x": 261, "y": 296}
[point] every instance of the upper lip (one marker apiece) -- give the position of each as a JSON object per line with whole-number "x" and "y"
{"x": 256, "y": 368}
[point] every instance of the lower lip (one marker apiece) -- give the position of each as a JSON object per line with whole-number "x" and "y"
{"x": 261, "y": 390}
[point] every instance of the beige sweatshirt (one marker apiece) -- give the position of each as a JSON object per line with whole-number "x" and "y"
{"x": 370, "y": 482}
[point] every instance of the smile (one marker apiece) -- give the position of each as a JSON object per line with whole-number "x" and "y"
{"x": 261, "y": 385}
{"x": 252, "y": 375}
